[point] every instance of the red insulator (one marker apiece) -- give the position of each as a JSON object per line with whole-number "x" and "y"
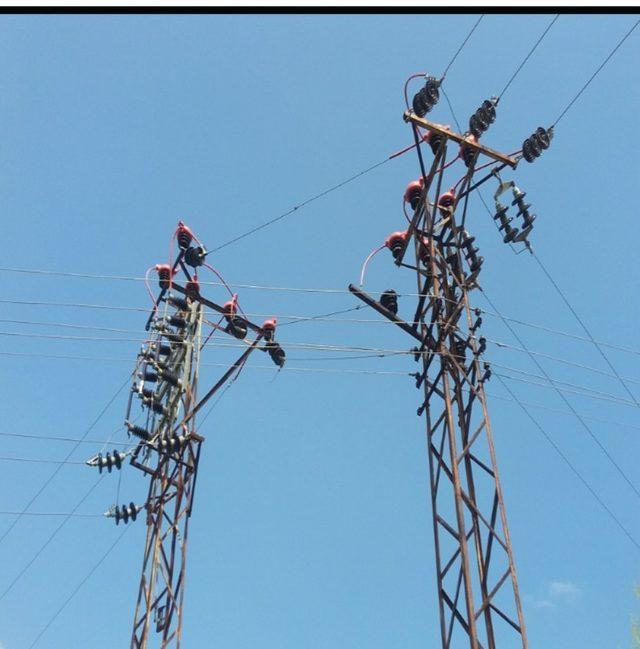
{"x": 269, "y": 328}
{"x": 184, "y": 236}
{"x": 230, "y": 308}
{"x": 395, "y": 242}
{"x": 467, "y": 153}
{"x": 192, "y": 289}
{"x": 447, "y": 200}
{"x": 434, "y": 139}
{"x": 424, "y": 252}
{"x": 413, "y": 192}
{"x": 164, "y": 275}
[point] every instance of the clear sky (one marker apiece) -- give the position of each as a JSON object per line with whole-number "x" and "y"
{"x": 312, "y": 524}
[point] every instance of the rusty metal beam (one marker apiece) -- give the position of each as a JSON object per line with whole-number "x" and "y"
{"x": 409, "y": 116}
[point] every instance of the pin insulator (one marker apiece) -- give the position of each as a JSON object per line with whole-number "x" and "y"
{"x": 427, "y": 97}
{"x": 178, "y": 302}
{"x": 164, "y": 275}
{"x": 177, "y": 321}
{"x": 276, "y": 353}
{"x": 395, "y": 242}
{"x": 184, "y": 236}
{"x": 536, "y": 143}
{"x": 138, "y": 431}
{"x": 269, "y": 328}
{"x": 434, "y": 139}
{"x": 195, "y": 256}
{"x": 467, "y": 153}
{"x": 192, "y": 289}
{"x": 413, "y": 192}
{"x": 389, "y": 300}
{"x": 480, "y": 121}
{"x": 125, "y": 513}
{"x": 237, "y": 327}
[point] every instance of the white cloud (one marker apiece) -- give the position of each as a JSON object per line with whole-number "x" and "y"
{"x": 556, "y": 594}
{"x": 564, "y": 590}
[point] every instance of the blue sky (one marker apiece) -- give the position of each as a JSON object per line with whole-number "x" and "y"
{"x": 312, "y": 523}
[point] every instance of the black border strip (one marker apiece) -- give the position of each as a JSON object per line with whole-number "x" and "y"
{"x": 342, "y": 11}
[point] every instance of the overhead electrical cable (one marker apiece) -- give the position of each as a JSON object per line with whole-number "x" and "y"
{"x": 528, "y": 56}
{"x": 584, "y": 424}
{"x": 49, "y": 539}
{"x": 577, "y": 473}
{"x": 79, "y": 586}
{"x": 57, "y": 470}
{"x": 595, "y": 74}
{"x": 464, "y": 42}
{"x": 325, "y": 317}
{"x": 295, "y": 208}
{"x": 580, "y": 321}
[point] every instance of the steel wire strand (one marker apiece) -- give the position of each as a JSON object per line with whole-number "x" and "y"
{"x": 79, "y": 586}
{"x": 580, "y": 321}
{"x": 325, "y": 317}
{"x": 566, "y": 460}
{"x": 462, "y": 45}
{"x": 595, "y": 74}
{"x": 50, "y": 538}
{"x": 55, "y": 472}
{"x": 590, "y": 432}
{"x": 528, "y": 56}
{"x": 585, "y": 390}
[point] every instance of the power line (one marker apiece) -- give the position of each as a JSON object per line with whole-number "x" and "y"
{"x": 584, "y": 326}
{"x": 593, "y": 76}
{"x": 50, "y": 514}
{"x": 588, "y": 393}
{"x": 79, "y": 586}
{"x": 526, "y": 58}
{"x": 63, "y": 439}
{"x": 558, "y": 359}
{"x": 464, "y": 42}
{"x": 570, "y": 465}
{"x": 55, "y": 472}
{"x": 295, "y": 208}
{"x": 4, "y": 458}
{"x": 593, "y": 436}
{"x": 326, "y": 317}
{"x": 50, "y": 538}
{"x": 569, "y": 390}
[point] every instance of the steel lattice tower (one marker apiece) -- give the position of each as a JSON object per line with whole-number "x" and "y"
{"x": 479, "y": 601}
{"x": 164, "y": 395}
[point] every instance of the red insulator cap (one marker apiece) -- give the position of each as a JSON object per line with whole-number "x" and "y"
{"x": 395, "y": 237}
{"x": 269, "y": 325}
{"x": 183, "y": 228}
{"x": 192, "y": 288}
{"x": 163, "y": 269}
{"x": 412, "y": 187}
{"x": 231, "y": 307}
{"x": 447, "y": 199}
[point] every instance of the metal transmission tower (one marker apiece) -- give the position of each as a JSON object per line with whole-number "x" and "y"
{"x": 479, "y": 601}
{"x": 161, "y": 417}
